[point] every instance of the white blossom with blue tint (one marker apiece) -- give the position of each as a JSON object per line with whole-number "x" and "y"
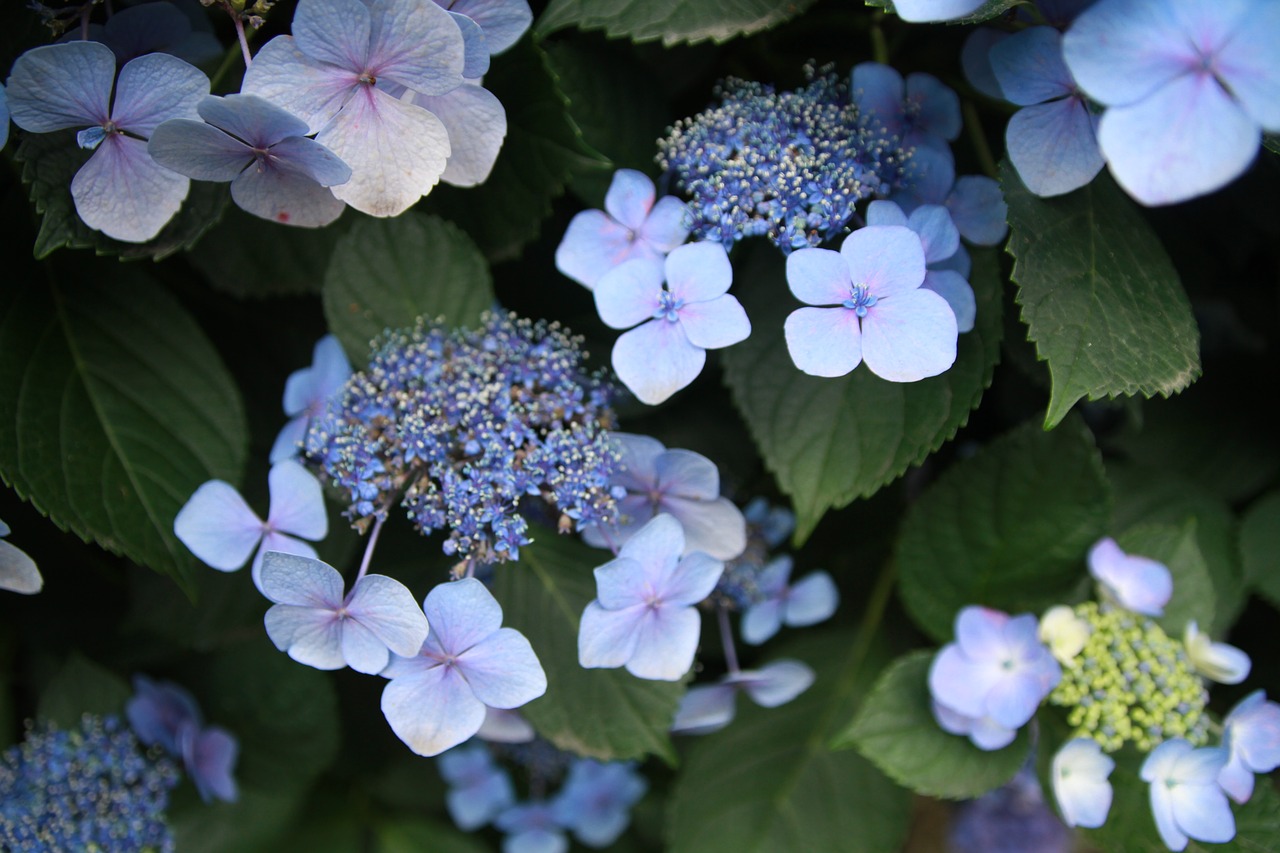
{"x": 1080, "y": 772}
{"x": 1251, "y": 732}
{"x": 476, "y": 123}
{"x": 1136, "y": 583}
{"x": 1218, "y": 662}
{"x": 989, "y": 682}
{"x": 870, "y": 307}
{"x": 319, "y": 626}
{"x": 632, "y": 226}
{"x": 1063, "y": 632}
{"x": 275, "y": 171}
{"x": 677, "y": 323}
{"x": 308, "y": 391}
{"x": 644, "y": 616}
{"x": 706, "y": 708}
{"x": 924, "y": 11}
{"x": 947, "y": 265}
{"x": 220, "y": 528}
{"x": 479, "y": 790}
{"x": 596, "y": 799}
{"x": 1185, "y": 798}
{"x": 18, "y": 572}
{"x": 437, "y": 698}
{"x": 163, "y": 714}
{"x": 650, "y": 479}
{"x": 1189, "y": 87}
{"x": 343, "y": 71}
{"x": 1052, "y": 141}
{"x": 810, "y": 600}
{"x": 121, "y": 191}
{"x": 501, "y": 726}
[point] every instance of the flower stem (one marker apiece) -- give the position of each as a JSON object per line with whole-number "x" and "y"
{"x": 368, "y": 548}
{"x": 979, "y": 141}
{"x": 726, "y": 639}
{"x": 244, "y": 41}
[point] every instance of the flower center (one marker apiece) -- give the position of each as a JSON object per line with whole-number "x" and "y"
{"x": 669, "y": 307}
{"x": 860, "y": 299}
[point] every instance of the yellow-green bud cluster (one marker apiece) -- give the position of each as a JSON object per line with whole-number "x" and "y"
{"x": 1131, "y": 683}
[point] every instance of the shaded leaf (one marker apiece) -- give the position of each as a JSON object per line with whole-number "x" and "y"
{"x": 1260, "y": 546}
{"x": 1099, "y": 295}
{"x": 82, "y": 687}
{"x": 673, "y": 21}
{"x": 410, "y": 835}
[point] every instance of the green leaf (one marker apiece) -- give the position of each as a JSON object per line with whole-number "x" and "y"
{"x": 542, "y": 151}
{"x": 896, "y": 730}
{"x": 1100, "y": 297}
{"x": 768, "y": 782}
{"x": 82, "y": 687}
{"x": 51, "y": 160}
{"x": 601, "y": 713}
{"x": 1008, "y": 528}
{"x": 119, "y": 408}
{"x": 1176, "y": 547}
{"x": 673, "y": 21}
{"x": 386, "y": 273}
{"x": 411, "y": 835}
{"x": 1271, "y": 141}
{"x": 830, "y": 441}
{"x": 1260, "y": 546}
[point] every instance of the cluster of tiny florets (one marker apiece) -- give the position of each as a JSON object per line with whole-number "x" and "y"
{"x": 789, "y": 166}
{"x": 1131, "y": 683}
{"x": 459, "y": 426}
{"x": 89, "y": 788}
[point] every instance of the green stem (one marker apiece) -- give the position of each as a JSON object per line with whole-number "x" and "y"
{"x": 980, "y": 141}
{"x": 879, "y": 45}
{"x": 877, "y": 604}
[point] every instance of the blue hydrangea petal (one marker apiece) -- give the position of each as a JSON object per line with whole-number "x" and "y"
{"x": 311, "y": 386}
{"x": 297, "y": 501}
{"x": 694, "y": 579}
{"x": 960, "y": 262}
{"x": 960, "y": 683}
{"x": 685, "y": 474}
{"x": 361, "y": 648}
{"x": 667, "y": 226}
{"x": 930, "y": 172}
{"x": 218, "y": 526}
{"x": 198, "y": 150}
{"x": 714, "y": 527}
{"x": 1200, "y": 807}
{"x": 716, "y": 323}
{"x": 975, "y": 59}
{"x": 417, "y": 44}
{"x": 503, "y": 670}
{"x": 473, "y": 807}
{"x": 1249, "y": 67}
{"x": 951, "y": 286}
{"x": 1121, "y": 51}
{"x": 818, "y": 276}
{"x": 813, "y": 599}
{"x": 980, "y": 632}
{"x": 256, "y": 121}
{"x": 629, "y": 197}
{"x": 1079, "y": 773}
{"x": 288, "y": 78}
{"x": 705, "y": 709}
{"x": 629, "y": 293}
{"x": 978, "y": 209}
{"x": 1053, "y": 146}
{"x": 125, "y": 194}
{"x": 938, "y": 234}
{"x": 18, "y": 572}
{"x": 155, "y": 88}
{"x": 656, "y": 359}
{"x": 883, "y": 212}
{"x": 924, "y": 11}
{"x": 387, "y": 609}
{"x": 888, "y": 260}
{"x": 461, "y": 613}
{"x": 910, "y": 336}
{"x": 608, "y": 638}
{"x": 502, "y": 726}
{"x": 209, "y": 756}
{"x": 477, "y": 124}
{"x": 503, "y": 21}
{"x": 308, "y": 158}
{"x": 1253, "y": 736}
{"x": 334, "y": 31}
{"x": 286, "y": 197}
{"x": 594, "y": 244}
{"x": 937, "y": 106}
{"x": 761, "y": 621}
{"x": 1012, "y": 702}
{"x": 697, "y": 272}
{"x": 433, "y": 709}
{"x": 656, "y": 548}
{"x": 311, "y": 636}
{"x": 878, "y": 90}
{"x": 1136, "y": 583}
{"x": 1030, "y": 68}
{"x": 666, "y": 641}
{"x": 1218, "y": 662}
{"x": 1186, "y": 139}
{"x": 158, "y": 711}
{"x": 824, "y": 341}
{"x": 772, "y": 579}
{"x": 988, "y": 734}
{"x": 475, "y": 50}
{"x": 639, "y": 460}
{"x": 396, "y": 151}
{"x": 275, "y": 541}
{"x": 777, "y": 683}
{"x": 61, "y": 85}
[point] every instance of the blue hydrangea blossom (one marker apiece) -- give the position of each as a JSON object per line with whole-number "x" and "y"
{"x": 947, "y": 263}
{"x": 316, "y": 624}
{"x": 596, "y": 799}
{"x": 678, "y": 323}
{"x": 275, "y": 171}
{"x": 343, "y": 71}
{"x": 708, "y": 708}
{"x": 121, "y": 191}
{"x": 437, "y": 698}
{"x": 18, "y": 572}
{"x": 163, "y": 714}
{"x": 870, "y": 307}
{"x": 1136, "y": 583}
{"x": 476, "y": 123}
{"x": 644, "y": 616}
{"x": 632, "y": 226}
{"x": 479, "y": 790}
{"x": 1189, "y": 87}
{"x": 1218, "y": 662}
{"x": 1080, "y": 772}
{"x": 532, "y": 827}
{"x": 307, "y": 393}
{"x": 1251, "y": 732}
{"x": 1185, "y": 798}
{"x": 811, "y": 600}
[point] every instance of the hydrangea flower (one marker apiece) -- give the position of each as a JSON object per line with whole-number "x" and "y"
{"x": 532, "y": 827}
{"x": 994, "y": 675}
{"x": 1189, "y": 87}
{"x": 644, "y": 616}
{"x": 437, "y": 698}
{"x": 596, "y": 799}
{"x": 18, "y": 572}
{"x": 1135, "y": 583}
{"x": 1052, "y": 140}
{"x": 476, "y": 123}
{"x": 319, "y": 626}
{"x": 1185, "y": 798}
{"x": 947, "y": 263}
{"x": 1251, "y": 732}
{"x": 343, "y": 71}
{"x": 677, "y": 323}
{"x": 163, "y": 714}
{"x": 479, "y": 790}
{"x": 222, "y": 531}
{"x": 806, "y": 602}
{"x": 121, "y": 191}
{"x": 1079, "y": 773}
{"x": 708, "y": 708}
{"x": 275, "y": 171}
{"x": 871, "y": 308}
{"x": 307, "y": 393}
{"x": 1218, "y": 662}
{"x": 919, "y": 114}
{"x": 501, "y": 22}
{"x": 631, "y": 226}
{"x": 926, "y": 11}
{"x": 650, "y": 479}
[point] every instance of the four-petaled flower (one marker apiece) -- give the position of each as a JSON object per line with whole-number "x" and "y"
{"x": 163, "y": 714}
{"x": 1185, "y": 797}
{"x": 710, "y": 707}
{"x": 307, "y": 392}
{"x": 596, "y": 799}
{"x": 1252, "y": 734}
{"x": 479, "y": 790}
{"x": 807, "y": 602}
